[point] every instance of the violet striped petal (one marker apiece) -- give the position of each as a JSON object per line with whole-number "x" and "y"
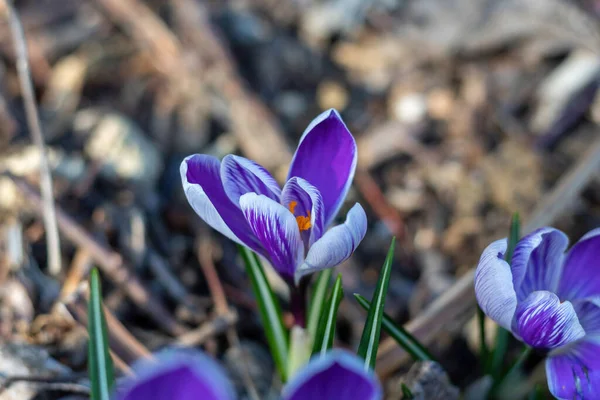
{"x": 326, "y": 157}
{"x": 575, "y": 373}
{"x": 305, "y": 200}
{"x": 336, "y": 245}
{"x": 537, "y": 261}
{"x": 581, "y": 272}
{"x": 277, "y": 230}
{"x": 177, "y": 375}
{"x": 543, "y": 322}
{"x": 241, "y": 176}
{"x": 204, "y": 190}
{"x": 337, "y": 375}
{"x": 494, "y": 285}
{"x": 588, "y": 312}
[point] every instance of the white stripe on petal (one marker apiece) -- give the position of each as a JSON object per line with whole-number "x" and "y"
{"x": 336, "y": 245}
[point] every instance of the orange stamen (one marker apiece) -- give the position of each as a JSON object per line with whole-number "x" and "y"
{"x": 303, "y": 222}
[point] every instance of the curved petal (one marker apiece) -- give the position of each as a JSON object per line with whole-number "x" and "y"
{"x": 204, "y": 190}
{"x": 277, "y": 230}
{"x": 537, "y": 261}
{"x": 575, "y": 373}
{"x": 336, "y": 245}
{"x": 177, "y": 374}
{"x": 337, "y": 375}
{"x": 306, "y": 200}
{"x": 494, "y": 285}
{"x": 326, "y": 157}
{"x": 581, "y": 272}
{"x": 241, "y": 176}
{"x": 543, "y": 322}
{"x": 588, "y": 312}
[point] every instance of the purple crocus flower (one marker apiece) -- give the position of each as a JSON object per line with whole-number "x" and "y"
{"x": 550, "y": 300}
{"x": 176, "y": 375}
{"x": 240, "y": 199}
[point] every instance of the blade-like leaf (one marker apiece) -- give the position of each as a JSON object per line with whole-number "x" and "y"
{"x": 502, "y": 335}
{"x": 270, "y": 311}
{"x": 400, "y": 335}
{"x": 326, "y": 329}
{"x": 317, "y": 302}
{"x": 369, "y": 342}
{"x": 100, "y": 367}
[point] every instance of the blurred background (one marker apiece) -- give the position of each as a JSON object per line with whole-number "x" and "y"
{"x": 464, "y": 111}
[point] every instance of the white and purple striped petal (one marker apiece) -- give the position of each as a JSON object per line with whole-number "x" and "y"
{"x": 588, "y": 312}
{"x": 177, "y": 375}
{"x": 574, "y": 373}
{"x": 494, "y": 285}
{"x": 581, "y": 272}
{"x": 336, "y": 245}
{"x": 326, "y": 157}
{"x": 337, "y": 375}
{"x": 241, "y": 176}
{"x": 306, "y": 200}
{"x": 277, "y": 230}
{"x": 537, "y": 261}
{"x": 204, "y": 190}
{"x": 543, "y": 322}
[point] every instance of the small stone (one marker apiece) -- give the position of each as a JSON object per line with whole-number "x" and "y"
{"x": 332, "y": 95}
{"x": 120, "y": 146}
{"x": 427, "y": 380}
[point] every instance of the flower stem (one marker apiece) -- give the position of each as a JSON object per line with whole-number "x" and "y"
{"x": 298, "y": 303}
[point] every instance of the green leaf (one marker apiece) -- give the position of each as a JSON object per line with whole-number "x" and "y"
{"x": 400, "y": 335}
{"x": 406, "y": 393}
{"x": 326, "y": 329}
{"x": 270, "y": 312}
{"x": 502, "y": 335}
{"x": 100, "y": 367}
{"x": 317, "y": 302}
{"x": 484, "y": 351}
{"x": 369, "y": 342}
{"x": 514, "y": 236}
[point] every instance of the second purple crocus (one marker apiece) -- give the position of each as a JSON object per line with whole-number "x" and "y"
{"x": 550, "y": 300}
{"x": 288, "y": 226}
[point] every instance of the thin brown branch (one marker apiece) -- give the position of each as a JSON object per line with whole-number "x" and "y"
{"x": 35, "y": 130}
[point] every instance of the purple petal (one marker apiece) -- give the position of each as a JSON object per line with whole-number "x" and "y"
{"x": 588, "y": 312}
{"x": 537, "y": 261}
{"x": 575, "y": 374}
{"x": 543, "y": 322}
{"x": 581, "y": 272}
{"x": 337, "y": 375}
{"x": 326, "y": 157}
{"x": 494, "y": 285}
{"x": 336, "y": 245}
{"x": 241, "y": 176}
{"x": 277, "y": 230}
{"x": 204, "y": 191}
{"x": 308, "y": 201}
{"x": 177, "y": 375}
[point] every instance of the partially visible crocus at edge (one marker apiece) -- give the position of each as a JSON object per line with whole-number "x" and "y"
{"x": 550, "y": 299}
{"x": 175, "y": 375}
{"x": 288, "y": 226}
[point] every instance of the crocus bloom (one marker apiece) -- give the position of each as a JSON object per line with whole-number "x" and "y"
{"x": 240, "y": 199}
{"x": 550, "y": 300}
{"x": 175, "y": 375}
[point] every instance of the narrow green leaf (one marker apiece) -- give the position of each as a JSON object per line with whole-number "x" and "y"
{"x": 100, "y": 367}
{"x": 514, "y": 236}
{"x": 326, "y": 329}
{"x": 484, "y": 351}
{"x": 406, "y": 393}
{"x": 369, "y": 342}
{"x": 400, "y": 335}
{"x": 317, "y": 302}
{"x": 502, "y": 335}
{"x": 270, "y": 311}
{"x": 536, "y": 393}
